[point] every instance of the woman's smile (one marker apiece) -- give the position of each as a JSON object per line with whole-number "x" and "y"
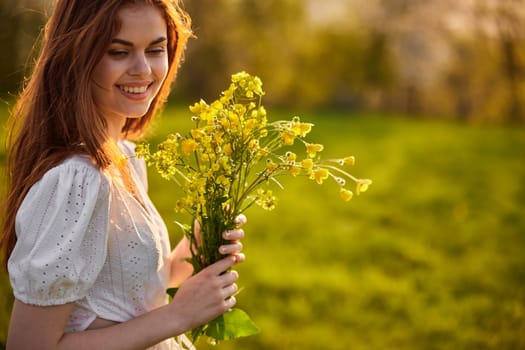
{"x": 135, "y": 91}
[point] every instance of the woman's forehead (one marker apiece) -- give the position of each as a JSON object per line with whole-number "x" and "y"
{"x": 141, "y": 22}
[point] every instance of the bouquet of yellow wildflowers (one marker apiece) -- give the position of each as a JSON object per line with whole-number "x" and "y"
{"x": 225, "y": 164}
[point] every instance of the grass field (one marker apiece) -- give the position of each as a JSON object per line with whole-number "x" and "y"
{"x": 431, "y": 257}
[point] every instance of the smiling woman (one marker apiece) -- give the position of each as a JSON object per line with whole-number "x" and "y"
{"x": 131, "y": 73}
{"x": 89, "y": 257}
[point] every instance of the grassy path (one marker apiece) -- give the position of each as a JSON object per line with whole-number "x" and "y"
{"x": 430, "y": 258}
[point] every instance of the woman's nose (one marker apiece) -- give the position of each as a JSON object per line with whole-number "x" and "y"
{"x": 140, "y": 66}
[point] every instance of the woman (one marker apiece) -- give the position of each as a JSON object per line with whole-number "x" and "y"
{"x": 89, "y": 257}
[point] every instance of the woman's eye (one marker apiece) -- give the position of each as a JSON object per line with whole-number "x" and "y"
{"x": 117, "y": 53}
{"x": 157, "y": 51}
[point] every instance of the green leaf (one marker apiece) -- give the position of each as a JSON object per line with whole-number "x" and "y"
{"x": 233, "y": 324}
{"x": 196, "y": 333}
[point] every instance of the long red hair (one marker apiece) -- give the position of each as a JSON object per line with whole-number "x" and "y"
{"x": 56, "y": 115}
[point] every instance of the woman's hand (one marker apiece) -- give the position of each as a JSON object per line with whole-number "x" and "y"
{"x": 206, "y": 295}
{"x": 181, "y": 269}
{"x": 210, "y": 293}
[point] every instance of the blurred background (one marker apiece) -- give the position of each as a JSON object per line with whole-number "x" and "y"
{"x": 430, "y": 98}
{"x": 448, "y": 59}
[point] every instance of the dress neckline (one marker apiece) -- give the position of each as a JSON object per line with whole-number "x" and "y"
{"x": 137, "y": 195}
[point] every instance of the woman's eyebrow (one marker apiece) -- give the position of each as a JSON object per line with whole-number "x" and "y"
{"x": 128, "y": 43}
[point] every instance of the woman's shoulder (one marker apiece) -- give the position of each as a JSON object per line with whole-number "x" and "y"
{"x": 128, "y": 147}
{"x": 77, "y": 164}
{"x": 76, "y": 169}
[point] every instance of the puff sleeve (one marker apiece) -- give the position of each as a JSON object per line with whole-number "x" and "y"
{"x": 61, "y": 229}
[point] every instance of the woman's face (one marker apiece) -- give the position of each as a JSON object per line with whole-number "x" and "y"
{"x": 131, "y": 72}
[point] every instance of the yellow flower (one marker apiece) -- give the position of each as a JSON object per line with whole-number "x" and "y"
{"x": 290, "y": 157}
{"x": 215, "y": 167}
{"x": 227, "y": 149}
{"x": 222, "y": 180}
{"x": 319, "y": 175}
{"x": 240, "y": 109}
{"x": 199, "y": 107}
{"x": 217, "y": 138}
{"x": 294, "y": 170}
{"x": 306, "y": 128}
{"x": 346, "y": 194}
{"x": 227, "y": 94}
{"x": 350, "y": 161}
{"x": 253, "y": 145}
{"x": 362, "y": 185}
{"x": 251, "y": 124}
{"x": 188, "y": 146}
{"x": 270, "y": 165}
{"x": 225, "y": 123}
{"x": 226, "y": 166}
{"x": 296, "y": 127}
{"x": 180, "y": 205}
{"x": 300, "y": 129}
{"x": 288, "y": 137}
{"x": 142, "y": 151}
{"x": 266, "y": 199}
{"x": 197, "y": 134}
{"x": 308, "y": 164}
{"x": 217, "y": 105}
{"x": 262, "y": 152}
{"x": 313, "y": 148}
{"x": 262, "y": 113}
{"x": 234, "y": 120}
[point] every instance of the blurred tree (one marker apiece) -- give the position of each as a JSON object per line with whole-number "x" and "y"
{"x": 303, "y": 62}
{"x": 262, "y": 37}
{"x": 509, "y": 18}
{"x": 204, "y": 57}
{"x": 20, "y": 23}
{"x": 9, "y": 27}
{"x": 447, "y": 57}
{"x": 485, "y": 78}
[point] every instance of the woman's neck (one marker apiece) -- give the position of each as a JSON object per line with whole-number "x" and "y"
{"x": 115, "y": 125}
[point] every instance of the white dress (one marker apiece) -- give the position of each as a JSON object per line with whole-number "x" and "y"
{"x": 83, "y": 238}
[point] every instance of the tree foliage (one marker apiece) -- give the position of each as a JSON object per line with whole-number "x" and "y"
{"x": 20, "y": 23}
{"x": 441, "y": 58}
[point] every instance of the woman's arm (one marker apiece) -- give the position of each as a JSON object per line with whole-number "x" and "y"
{"x": 200, "y": 299}
{"x": 180, "y": 268}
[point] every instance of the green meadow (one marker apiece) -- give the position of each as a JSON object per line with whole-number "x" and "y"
{"x": 431, "y": 257}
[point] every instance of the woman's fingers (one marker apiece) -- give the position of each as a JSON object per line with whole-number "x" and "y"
{"x": 230, "y": 248}
{"x": 235, "y": 246}
{"x": 233, "y": 235}
{"x": 240, "y": 220}
{"x": 229, "y": 290}
{"x": 234, "y": 250}
{"x": 221, "y": 266}
{"x": 239, "y": 257}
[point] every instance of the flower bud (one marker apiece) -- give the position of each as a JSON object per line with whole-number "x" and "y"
{"x": 346, "y": 194}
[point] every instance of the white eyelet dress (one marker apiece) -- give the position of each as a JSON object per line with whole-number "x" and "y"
{"x": 83, "y": 238}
